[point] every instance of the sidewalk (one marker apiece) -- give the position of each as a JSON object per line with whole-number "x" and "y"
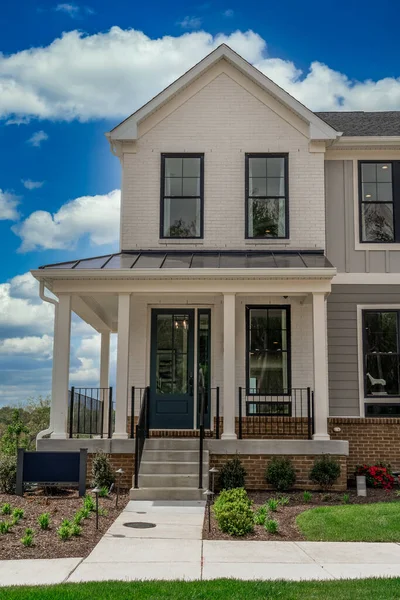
{"x": 173, "y": 549}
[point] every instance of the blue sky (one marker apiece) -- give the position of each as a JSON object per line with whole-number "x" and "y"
{"x": 70, "y": 71}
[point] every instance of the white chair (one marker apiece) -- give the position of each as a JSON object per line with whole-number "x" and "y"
{"x": 381, "y": 382}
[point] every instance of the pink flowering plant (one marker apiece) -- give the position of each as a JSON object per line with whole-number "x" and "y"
{"x": 377, "y": 476}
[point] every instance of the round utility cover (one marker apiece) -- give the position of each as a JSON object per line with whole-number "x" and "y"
{"x": 140, "y": 525}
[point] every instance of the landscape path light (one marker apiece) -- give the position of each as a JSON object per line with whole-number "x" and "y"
{"x": 96, "y": 491}
{"x": 213, "y": 471}
{"x": 119, "y": 473}
{"x": 209, "y": 494}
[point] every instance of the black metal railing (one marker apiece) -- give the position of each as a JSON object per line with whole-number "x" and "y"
{"x": 142, "y": 430}
{"x": 202, "y": 408}
{"x": 86, "y": 412}
{"x": 289, "y": 414}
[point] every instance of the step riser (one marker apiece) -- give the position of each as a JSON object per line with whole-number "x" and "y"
{"x": 171, "y": 481}
{"x": 170, "y": 468}
{"x": 172, "y": 444}
{"x": 172, "y": 455}
{"x": 166, "y": 494}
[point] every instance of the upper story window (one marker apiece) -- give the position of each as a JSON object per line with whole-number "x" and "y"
{"x": 379, "y": 193}
{"x": 182, "y": 195}
{"x": 267, "y": 207}
{"x": 381, "y": 353}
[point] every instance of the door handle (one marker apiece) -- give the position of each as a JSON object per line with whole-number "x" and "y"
{"x": 190, "y": 385}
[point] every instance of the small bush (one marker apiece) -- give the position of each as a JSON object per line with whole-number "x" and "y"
{"x": 261, "y": 515}
{"x": 283, "y": 500}
{"x": 280, "y": 474}
{"x": 232, "y": 474}
{"x": 325, "y": 471}
{"x": 44, "y": 520}
{"x": 103, "y": 492}
{"x": 233, "y": 512}
{"x": 103, "y": 512}
{"x": 8, "y": 473}
{"x": 379, "y": 475}
{"x": 307, "y": 496}
{"x": 271, "y": 526}
{"x": 89, "y": 504}
{"x": 102, "y": 473}
{"x": 273, "y": 504}
{"x": 80, "y": 515}
{"x": 346, "y": 498}
{"x": 76, "y": 530}
{"x": 6, "y": 509}
{"x": 5, "y": 526}
{"x": 66, "y": 523}
{"x": 27, "y": 540}
{"x": 64, "y": 532}
{"x": 18, "y": 513}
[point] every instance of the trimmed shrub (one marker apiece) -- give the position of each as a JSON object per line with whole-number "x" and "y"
{"x": 44, "y": 521}
{"x": 89, "y": 504}
{"x": 280, "y": 473}
{"x": 271, "y": 526}
{"x": 102, "y": 473}
{"x": 8, "y": 474}
{"x": 232, "y": 474}
{"x": 325, "y": 471}
{"x": 233, "y": 512}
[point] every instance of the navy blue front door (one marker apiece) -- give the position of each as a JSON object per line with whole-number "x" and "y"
{"x": 172, "y": 369}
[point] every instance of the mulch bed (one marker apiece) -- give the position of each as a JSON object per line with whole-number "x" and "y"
{"x": 286, "y": 515}
{"x": 62, "y": 505}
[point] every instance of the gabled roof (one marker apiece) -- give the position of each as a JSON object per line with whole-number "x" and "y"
{"x": 319, "y": 129}
{"x": 360, "y": 123}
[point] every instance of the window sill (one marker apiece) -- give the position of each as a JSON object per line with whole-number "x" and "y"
{"x": 377, "y": 246}
{"x": 180, "y": 242}
{"x": 269, "y": 242}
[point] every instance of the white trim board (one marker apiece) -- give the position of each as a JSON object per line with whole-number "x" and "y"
{"x": 360, "y": 308}
{"x": 366, "y": 279}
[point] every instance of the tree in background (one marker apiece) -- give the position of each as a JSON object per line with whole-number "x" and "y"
{"x": 20, "y": 425}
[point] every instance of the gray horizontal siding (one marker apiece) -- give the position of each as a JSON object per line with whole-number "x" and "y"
{"x": 342, "y": 341}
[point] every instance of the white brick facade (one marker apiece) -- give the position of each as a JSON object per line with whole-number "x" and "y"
{"x": 224, "y": 119}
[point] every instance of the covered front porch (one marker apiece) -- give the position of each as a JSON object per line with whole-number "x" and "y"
{"x": 240, "y": 334}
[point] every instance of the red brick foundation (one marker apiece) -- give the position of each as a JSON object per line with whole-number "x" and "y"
{"x": 118, "y": 461}
{"x": 370, "y": 441}
{"x": 256, "y": 464}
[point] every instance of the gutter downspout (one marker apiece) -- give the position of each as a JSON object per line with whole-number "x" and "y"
{"x": 45, "y": 298}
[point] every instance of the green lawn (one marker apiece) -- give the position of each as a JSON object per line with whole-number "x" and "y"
{"x": 222, "y": 589}
{"x": 378, "y": 522}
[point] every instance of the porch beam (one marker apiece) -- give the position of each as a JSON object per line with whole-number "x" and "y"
{"x": 320, "y": 350}
{"x": 90, "y": 312}
{"x": 61, "y": 358}
{"x": 229, "y": 359}
{"x": 121, "y": 397}
{"x": 246, "y": 286}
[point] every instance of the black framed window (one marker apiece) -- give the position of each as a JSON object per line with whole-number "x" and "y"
{"x": 381, "y": 353}
{"x": 182, "y": 195}
{"x": 379, "y": 194}
{"x": 267, "y": 200}
{"x": 268, "y": 350}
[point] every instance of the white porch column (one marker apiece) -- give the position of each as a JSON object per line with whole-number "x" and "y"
{"x": 105, "y": 374}
{"x": 121, "y": 396}
{"x": 321, "y": 399}
{"x": 229, "y": 368}
{"x": 61, "y": 351}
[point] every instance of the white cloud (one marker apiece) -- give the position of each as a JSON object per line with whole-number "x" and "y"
{"x": 190, "y": 22}
{"x": 40, "y": 348}
{"x": 71, "y": 9}
{"x": 229, "y": 12}
{"x": 32, "y": 185}
{"x": 110, "y": 74}
{"x": 8, "y": 206}
{"x": 37, "y": 138}
{"x": 94, "y": 216}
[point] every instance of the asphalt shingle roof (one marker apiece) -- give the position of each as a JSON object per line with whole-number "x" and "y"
{"x": 360, "y": 123}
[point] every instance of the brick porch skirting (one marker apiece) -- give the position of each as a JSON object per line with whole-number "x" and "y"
{"x": 370, "y": 440}
{"x": 256, "y": 465}
{"x": 118, "y": 461}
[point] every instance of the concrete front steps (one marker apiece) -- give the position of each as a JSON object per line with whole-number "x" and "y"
{"x": 170, "y": 470}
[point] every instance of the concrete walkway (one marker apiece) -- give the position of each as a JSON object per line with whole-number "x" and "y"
{"x": 173, "y": 549}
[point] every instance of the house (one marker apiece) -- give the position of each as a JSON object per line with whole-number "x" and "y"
{"x": 255, "y": 295}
